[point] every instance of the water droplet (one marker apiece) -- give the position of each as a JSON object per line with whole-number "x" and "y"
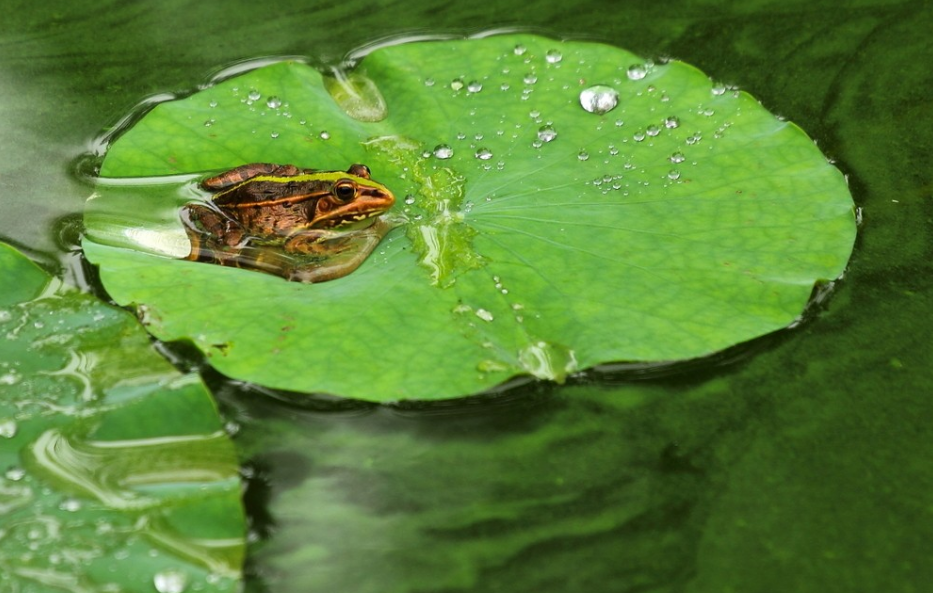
{"x": 274, "y": 135}
{"x": 520, "y": 50}
{"x": 461, "y": 136}
{"x": 672, "y": 122}
{"x": 652, "y": 130}
{"x": 530, "y": 78}
{"x": 677, "y": 158}
{"x": 673, "y": 174}
{"x": 718, "y": 89}
{"x": 10, "y": 378}
{"x": 636, "y": 72}
{"x": 483, "y": 154}
{"x": 409, "y": 199}
{"x": 613, "y": 151}
{"x": 583, "y": 155}
{"x": 484, "y": 314}
{"x": 534, "y": 114}
{"x": 209, "y": 122}
{"x": 70, "y": 505}
{"x": 693, "y": 139}
{"x": 428, "y": 82}
{"x": 456, "y": 84}
{"x": 546, "y": 133}
{"x": 15, "y": 474}
{"x": 324, "y": 135}
{"x": 599, "y": 99}
{"x": 273, "y": 102}
{"x": 475, "y": 86}
{"x": 504, "y": 86}
{"x": 638, "y": 136}
{"x": 477, "y": 136}
{"x": 170, "y": 581}
{"x": 8, "y": 428}
{"x": 553, "y": 56}
{"x": 212, "y": 104}
{"x": 443, "y": 151}
{"x": 254, "y": 95}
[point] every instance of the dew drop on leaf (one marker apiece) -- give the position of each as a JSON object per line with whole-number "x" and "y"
{"x": 599, "y": 99}
{"x": 273, "y": 102}
{"x": 170, "y": 581}
{"x": 456, "y": 84}
{"x": 553, "y": 56}
{"x": 483, "y": 154}
{"x": 546, "y": 133}
{"x": 636, "y": 72}
{"x": 443, "y": 151}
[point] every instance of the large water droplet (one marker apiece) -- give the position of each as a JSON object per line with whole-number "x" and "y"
{"x": 456, "y": 84}
{"x": 636, "y": 72}
{"x": 599, "y": 99}
{"x": 357, "y": 95}
{"x": 530, "y": 78}
{"x": 546, "y": 133}
{"x": 443, "y": 151}
{"x": 674, "y": 174}
{"x": 273, "y": 102}
{"x": 652, "y": 130}
{"x": 520, "y": 49}
{"x": 475, "y": 86}
{"x": 672, "y": 122}
{"x": 583, "y": 155}
{"x": 483, "y": 154}
{"x": 677, "y": 158}
{"x": 254, "y": 95}
{"x": 170, "y": 581}
{"x": 553, "y": 56}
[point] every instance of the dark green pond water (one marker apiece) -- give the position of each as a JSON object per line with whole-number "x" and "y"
{"x": 802, "y": 466}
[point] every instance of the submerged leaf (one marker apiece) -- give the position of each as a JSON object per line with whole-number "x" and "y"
{"x": 561, "y": 213}
{"x": 109, "y": 456}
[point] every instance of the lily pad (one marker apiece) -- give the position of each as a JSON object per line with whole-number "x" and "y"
{"x": 116, "y": 475}
{"x": 568, "y": 204}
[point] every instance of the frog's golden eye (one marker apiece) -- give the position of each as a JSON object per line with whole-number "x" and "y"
{"x": 344, "y": 190}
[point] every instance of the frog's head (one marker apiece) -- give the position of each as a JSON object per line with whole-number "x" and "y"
{"x": 353, "y": 199}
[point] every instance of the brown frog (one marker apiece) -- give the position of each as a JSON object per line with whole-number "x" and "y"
{"x": 301, "y": 224}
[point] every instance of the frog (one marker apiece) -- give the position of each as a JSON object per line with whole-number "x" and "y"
{"x": 305, "y": 225}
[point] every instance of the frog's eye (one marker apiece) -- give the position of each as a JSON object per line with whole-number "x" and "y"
{"x": 360, "y": 171}
{"x": 344, "y": 190}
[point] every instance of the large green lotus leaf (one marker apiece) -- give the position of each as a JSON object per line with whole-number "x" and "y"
{"x": 116, "y": 475}
{"x": 542, "y": 237}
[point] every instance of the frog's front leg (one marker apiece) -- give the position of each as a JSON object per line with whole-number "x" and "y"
{"x": 213, "y": 237}
{"x": 340, "y": 253}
